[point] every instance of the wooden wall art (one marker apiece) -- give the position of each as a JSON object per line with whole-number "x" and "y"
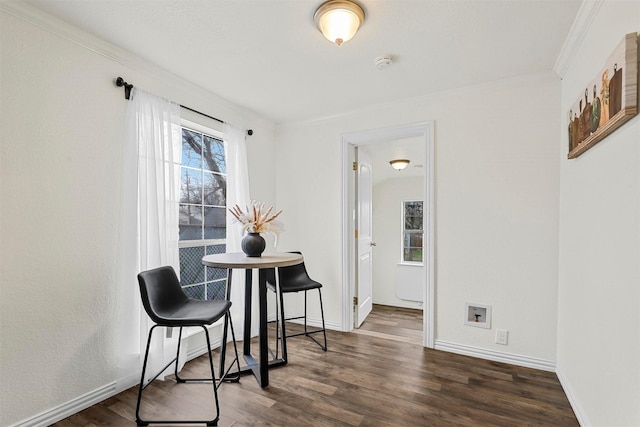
{"x": 610, "y": 100}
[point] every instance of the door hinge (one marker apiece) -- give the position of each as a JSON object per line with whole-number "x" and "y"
{"x": 356, "y": 234}
{"x": 355, "y": 166}
{"x": 355, "y": 301}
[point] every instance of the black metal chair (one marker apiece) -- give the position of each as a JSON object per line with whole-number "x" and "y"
{"x": 167, "y": 305}
{"x": 294, "y": 279}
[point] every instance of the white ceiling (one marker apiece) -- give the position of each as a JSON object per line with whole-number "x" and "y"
{"x": 380, "y": 154}
{"x": 267, "y": 55}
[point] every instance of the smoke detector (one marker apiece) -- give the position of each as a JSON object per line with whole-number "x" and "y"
{"x": 383, "y": 62}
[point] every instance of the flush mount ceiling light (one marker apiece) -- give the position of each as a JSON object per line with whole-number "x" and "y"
{"x": 399, "y": 164}
{"x": 339, "y": 20}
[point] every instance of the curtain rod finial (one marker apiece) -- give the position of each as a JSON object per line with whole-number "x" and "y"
{"x": 250, "y": 132}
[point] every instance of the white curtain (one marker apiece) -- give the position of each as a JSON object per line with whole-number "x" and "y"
{"x": 152, "y": 154}
{"x": 237, "y": 194}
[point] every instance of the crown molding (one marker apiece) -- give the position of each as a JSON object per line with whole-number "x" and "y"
{"x": 582, "y": 23}
{"x": 44, "y": 21}
{"x": 129, "y": 61}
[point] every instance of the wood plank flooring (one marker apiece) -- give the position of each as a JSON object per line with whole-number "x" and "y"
{"x": 380, "y": 375}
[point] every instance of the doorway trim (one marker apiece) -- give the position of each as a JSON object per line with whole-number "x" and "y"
{"x": 350, "y": 140}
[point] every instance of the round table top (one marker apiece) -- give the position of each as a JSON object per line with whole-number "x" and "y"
{"x": 240, "y": 260}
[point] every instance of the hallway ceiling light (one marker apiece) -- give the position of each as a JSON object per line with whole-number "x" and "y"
{"x": 339, "y": 20}
{"x": 399, "y": 164}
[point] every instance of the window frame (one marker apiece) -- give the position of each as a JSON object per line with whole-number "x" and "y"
{"x": 203, "y": 243}
{"x": 403, "y": 231}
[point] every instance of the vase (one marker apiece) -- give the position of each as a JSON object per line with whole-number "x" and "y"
{"x": 253, "y": 244}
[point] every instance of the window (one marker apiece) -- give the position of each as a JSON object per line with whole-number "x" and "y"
{"x": 412, "y": 231}
{"x": 203, "y": 200}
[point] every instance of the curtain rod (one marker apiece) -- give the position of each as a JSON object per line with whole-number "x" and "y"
{"x": 127, "y": 94}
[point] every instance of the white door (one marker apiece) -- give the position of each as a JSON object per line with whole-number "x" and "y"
{"x": 364, "y": 189}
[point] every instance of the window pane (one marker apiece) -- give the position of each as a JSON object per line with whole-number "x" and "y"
{"x": 215, "y": 189}
{"x": 413, "y": 223}
{"x": 413, "y": 240}
{"x": 191, "y": 267}
{"x": 412, "y": 254}
{"x": 216, "y": 249}
{"x": 416, "y": 240}
{"x": 214, "y": 155}
{"x": 190, "y": 186}
{"x": 195, "y": 292}
{"x": 413, "y": 215}
{"x": 216, "y": 290}
{"x": 215, "y": 223}
{"x": 191, "y": 148}
{"x": 190, "y": 222}
{"x": 413, "y": 208}
{"x": 214, "y": 273}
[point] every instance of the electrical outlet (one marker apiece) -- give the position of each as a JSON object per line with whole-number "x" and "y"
{"x": 502, "y": 336}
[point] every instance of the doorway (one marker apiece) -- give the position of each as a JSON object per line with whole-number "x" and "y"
{"x": 422, "y": 132}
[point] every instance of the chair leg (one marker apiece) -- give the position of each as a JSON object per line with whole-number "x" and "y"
{"x": 139, "y": 421}
{"x": 305, "y": 314}
{"x": 324, "y": 329}
{"x": 224, "y": 374}
{"x": 223, "y": 347}
{"x": 214, "y": 422}
{"x": 276, "y": 354}
{"x": 178, "y": 379}
{"x": 306, "y": 332}
{"x": 277, "y": 324}
{"x": 283, "y": 330}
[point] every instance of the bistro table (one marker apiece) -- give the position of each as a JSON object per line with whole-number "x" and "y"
{"x": 238, "y": 260}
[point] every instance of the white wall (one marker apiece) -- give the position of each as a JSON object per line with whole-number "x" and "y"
{"x": 388, "y": 196}
{"x": 599, "y": 285}
{"x": 496, "y": 195}
{"x": 61, "y": 199}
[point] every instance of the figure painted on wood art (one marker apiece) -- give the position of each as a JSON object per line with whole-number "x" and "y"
{"x": 608, "y": 101}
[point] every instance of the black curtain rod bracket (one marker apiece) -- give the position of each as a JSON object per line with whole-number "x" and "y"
{"x": 127, "y": 94}
{"x": 127, "y": 87}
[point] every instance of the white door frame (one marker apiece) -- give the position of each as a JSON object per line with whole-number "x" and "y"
{"x": 349, "y": 141}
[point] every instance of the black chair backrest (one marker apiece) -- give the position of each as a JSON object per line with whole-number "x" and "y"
{"x": 161, "y": 292}
{"x": 289, "y": 276}
{"x": 292, "y": 277}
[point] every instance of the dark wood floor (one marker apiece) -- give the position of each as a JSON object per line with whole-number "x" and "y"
{"x": 380, "y": 376}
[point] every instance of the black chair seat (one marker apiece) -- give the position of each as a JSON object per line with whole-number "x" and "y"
{"x": 298, "y": 285}
{"x": 193, "y": 312}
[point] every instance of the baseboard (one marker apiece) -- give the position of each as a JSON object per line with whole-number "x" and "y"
{"x": 199, "y": 351}
{"x": 497, "y": 356}
{"x": 69, "y": 408}
{"x": 577, "y": 408}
